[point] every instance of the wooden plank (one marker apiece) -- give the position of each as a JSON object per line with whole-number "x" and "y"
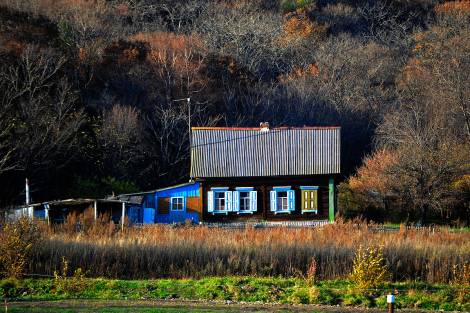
{"x": 163, "y": 205}
{"x": 265, "y": 200}
{"x": 193, "y": 204}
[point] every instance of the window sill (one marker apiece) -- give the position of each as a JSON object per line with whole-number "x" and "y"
{"x": 219, "y": 212}
{"x": 310, "y": 211}
{"x": 245, "y": 212}
{"x": 277, "y": 212}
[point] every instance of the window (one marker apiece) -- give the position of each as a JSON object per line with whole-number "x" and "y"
{"x": 245, "y": 201}
{"x": 309, "y": 199}
{"x": 282, "y": 202}
{"x": 219, "y": 200}
{"x": 220, "y": 204}
{"x": 177, "y": 204}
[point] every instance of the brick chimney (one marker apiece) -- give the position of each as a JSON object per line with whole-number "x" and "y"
{"x": 264, "y": 126}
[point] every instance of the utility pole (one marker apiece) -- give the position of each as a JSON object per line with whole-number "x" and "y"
{"x": 29, "y": 209}
{"x": 188, "y": 100}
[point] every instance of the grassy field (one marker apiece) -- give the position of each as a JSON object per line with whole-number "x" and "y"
{"x": 427, "y": 269}
{"x": 290, "y": 291}
{"x": 159, "y": 251}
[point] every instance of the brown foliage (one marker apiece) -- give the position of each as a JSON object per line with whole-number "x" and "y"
{"x": 166, "y": 251}
{"x": 170, "y": 42}
{"x": 125, "y": 53}
{"x": 226, "y": 68}
{"x": 454, "y": 7}
{"x": 18, "y": 30}
{"x": 17, "y": 240}
{"x": 297, "y": 25}
{"x": 182, "y": 53}
{"x": 310, "y": 70}
{"x": 372, "y": 175}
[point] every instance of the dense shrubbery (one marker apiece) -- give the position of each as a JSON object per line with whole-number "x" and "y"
{"x": 369, "y": 268}
{"x": 17, "y": 241}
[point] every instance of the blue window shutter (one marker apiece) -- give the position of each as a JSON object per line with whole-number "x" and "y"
{"x": 210, "y": 201}
{"x": 273, "y": 195}
{"x": 291, "y": 199}
{"x": 184, "y": 203}
{"x": 236, "y": 201}
{"x": 228, "y": 200}
{"x": 253, "y": 201}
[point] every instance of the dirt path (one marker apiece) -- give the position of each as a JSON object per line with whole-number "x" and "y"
{"x": 196, "y": 305}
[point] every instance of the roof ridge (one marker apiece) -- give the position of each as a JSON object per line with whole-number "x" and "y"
{"x": 259, "y": 128}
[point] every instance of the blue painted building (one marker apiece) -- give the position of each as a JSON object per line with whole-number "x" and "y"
{"x": 175, "y": 204}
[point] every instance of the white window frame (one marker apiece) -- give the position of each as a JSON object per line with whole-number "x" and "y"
{"x": 174, "y": 201}
{"x": 245, "y": 202}
{"x": 282, "y": 204}
{"x": 250, "y": 199}
{"x": 217, "y": 201}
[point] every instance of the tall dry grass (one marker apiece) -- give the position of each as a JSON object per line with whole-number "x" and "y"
{"x": 165, "y": 251}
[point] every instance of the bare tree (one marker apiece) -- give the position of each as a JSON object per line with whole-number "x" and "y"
{"x": 119, "y": 138}
{"x": 44, "y": 116}
{"x": 168, "y": 138}
{"x": 11, "y": 91}
{"x": 253, "y": 37}
{"x": 387, "y": 24}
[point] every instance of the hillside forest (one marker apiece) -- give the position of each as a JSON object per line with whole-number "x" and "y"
{"x": 88, "y": 90}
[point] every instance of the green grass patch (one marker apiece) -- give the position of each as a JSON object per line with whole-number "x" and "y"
{"x": 245, "y": 289}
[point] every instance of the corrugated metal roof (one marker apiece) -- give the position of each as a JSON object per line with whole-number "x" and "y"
{"x": 249, "y": 152}
{"x": 143, "y": 193}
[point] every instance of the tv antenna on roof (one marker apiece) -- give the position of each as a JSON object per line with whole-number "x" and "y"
{"x": 188, "y": 100}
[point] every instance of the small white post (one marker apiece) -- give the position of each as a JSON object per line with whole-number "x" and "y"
{"x": 46, "y": 212}
{"x": 123, "y": 214}
{"x": 391, "y": 303}
{"x": 27, "y": 192}
{"x": 95, "y": 210}
{"x": 31, "y": 212}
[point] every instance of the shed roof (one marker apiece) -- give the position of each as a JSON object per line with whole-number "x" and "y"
{"x": 143, "y": 193}
{"x": 72, "y": 202}
{"x": 251, "y": 152}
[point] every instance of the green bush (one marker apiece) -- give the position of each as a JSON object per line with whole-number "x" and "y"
{"x": 16, "y": 241}
{"x": 69, "y": 285}
{"x": 9, "y": 288}
{"x": 300, "y": 295}
{"x": 369, "y": 268}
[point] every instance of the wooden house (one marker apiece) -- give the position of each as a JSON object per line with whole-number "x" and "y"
{"x": 253, "y": 174}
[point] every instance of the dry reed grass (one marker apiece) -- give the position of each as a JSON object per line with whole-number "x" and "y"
{"x": 165, "y": 251}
